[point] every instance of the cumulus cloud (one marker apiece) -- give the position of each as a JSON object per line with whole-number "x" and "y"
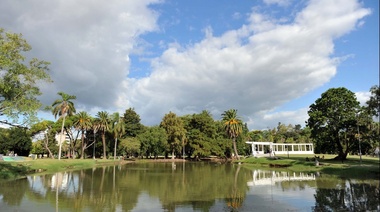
{"x": 363, "y": 97}
{"x": 254, "y": 68}
{"x": 87, "y": 42}
{"x": 278, "y": 2}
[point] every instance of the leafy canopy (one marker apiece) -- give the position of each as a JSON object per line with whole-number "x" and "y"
{"x": 332, "y": 119}
{"x": 19, "y": 78}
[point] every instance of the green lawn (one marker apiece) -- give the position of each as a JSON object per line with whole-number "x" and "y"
{"x": 17, "y": 169}
{"x": 369, "y": 167}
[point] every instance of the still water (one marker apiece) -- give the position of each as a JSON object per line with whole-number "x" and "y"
{"x": 187, "y": 187}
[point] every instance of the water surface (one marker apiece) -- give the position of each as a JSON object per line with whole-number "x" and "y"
{"x": 187, "y": 187}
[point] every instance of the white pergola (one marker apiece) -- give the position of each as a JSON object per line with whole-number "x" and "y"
{"x": 258, "y": 148}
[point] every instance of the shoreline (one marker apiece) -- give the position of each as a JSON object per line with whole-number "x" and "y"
{"x": 369, "y": 167}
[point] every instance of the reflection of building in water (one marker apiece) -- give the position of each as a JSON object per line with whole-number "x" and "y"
{"x": 260, "y": 148}
{"x": 67, "y": 182}
{"x": 271, "y": 177}
{"x": 59, "y": 180}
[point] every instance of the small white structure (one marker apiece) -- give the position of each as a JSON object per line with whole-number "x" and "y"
{"x": 262, "y": 148}
{"x": 272, "y": 177}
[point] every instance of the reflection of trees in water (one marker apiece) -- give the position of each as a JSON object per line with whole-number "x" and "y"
{"x": 348, "y": 195}
{"x": 235, "y": 199}
{"x": 12, "y": 192}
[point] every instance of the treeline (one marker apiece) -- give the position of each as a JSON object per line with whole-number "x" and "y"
{"x": 192, "y": 136}
{"x": 197, "y": 135}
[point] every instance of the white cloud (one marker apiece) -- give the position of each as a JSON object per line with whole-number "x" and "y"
{"x": 363, "y": 97}
{"x": 279, "y": 62}
{"x": 87, "y": 42}
{"x": 278, "y": 2}
{"x": 255, "y": 68}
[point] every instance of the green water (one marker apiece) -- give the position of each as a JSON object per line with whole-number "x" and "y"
{"x": 187, "y": 187}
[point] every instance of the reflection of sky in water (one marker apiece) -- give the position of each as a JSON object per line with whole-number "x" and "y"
{"x": 144, "y": 198}
{"x": 264, "y": 191}
{"x": 275, "y": 198}
{"x": 36, "y": 185}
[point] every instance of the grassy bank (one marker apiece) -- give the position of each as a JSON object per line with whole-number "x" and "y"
{"x": 368, "y": 167}
{"x": 18, "y": 169}
{"x": 351, "y": 168}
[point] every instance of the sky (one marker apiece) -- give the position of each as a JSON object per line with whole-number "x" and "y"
{"x": 269, "y": 59}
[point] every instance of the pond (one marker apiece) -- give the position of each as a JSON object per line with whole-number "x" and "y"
{"x": 187, "y": 187}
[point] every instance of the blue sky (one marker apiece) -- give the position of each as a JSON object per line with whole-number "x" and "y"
{"x": 268, "y": 59}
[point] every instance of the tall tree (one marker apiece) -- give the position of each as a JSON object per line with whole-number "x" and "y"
{"x": 83, "y": 122}
{"x": 233, "y": 127}
{"x": 43, "y": 129}
{"x": 63, "y": 107}
{"x": 17, "y": 140}
{"x": 19, "y": 78}
{"x": 333, "y": 120}
{"x": 103, "y": 123}
{"x": 154, "y": 141}
{"x": 133, "y": 127}
{"x": 373, "y": 103}
{"x": 201, "y": 134}
{"x": 118, "y": 129}
{"x": 94, "y": 128}
{"x": 175, "y": 130}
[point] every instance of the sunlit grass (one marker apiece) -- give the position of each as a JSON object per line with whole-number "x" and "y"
{"x": 17, "y": 169}
{"x": 354, "y": 167}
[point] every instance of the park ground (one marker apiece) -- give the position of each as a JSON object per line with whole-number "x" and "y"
{"x": 354, "y": 167}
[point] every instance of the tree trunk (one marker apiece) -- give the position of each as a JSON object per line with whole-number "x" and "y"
{"x": 342, "y": 155}
{"x": 60, "y": 139}
{"x": 82, "y": 150}
{"x": 104, "y": 145}
{"x": 235, "y": 149}
{"x": 47, "y": 147}
{"x": 114, "y": 152}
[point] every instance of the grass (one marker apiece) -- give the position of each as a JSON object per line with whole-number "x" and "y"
{"x": 19, "y": 169}
{"x": 368, "y": 167}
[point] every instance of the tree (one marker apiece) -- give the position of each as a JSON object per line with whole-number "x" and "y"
{"x": 133, "y": 127}
{"x": 103, "y": 126}
{"x": 83, "y": 122}
{"x": 130, "y": 146}
{"x": 19, "y": 78}
{"x": 154, "y": 141}
{"x": 201, "y": 134}
{"x": 175, "y": 130}
{"x": 63, "y": 107}
{"x": 15, "y": 139}
{"x": 118, "y": 129}
{"x": 333, "y": 120}
{"x": 373, "y": 103}
{"x": 369, "y": 128}
{"x": 233, "y": 127}
{"x": 43, "y": 128}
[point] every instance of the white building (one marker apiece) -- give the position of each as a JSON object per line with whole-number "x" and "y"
{"x": 262, "y": 148}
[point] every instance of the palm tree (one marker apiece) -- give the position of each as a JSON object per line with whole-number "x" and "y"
{"x": 118, "y": 129}
{"x": 103, "y": 124}
{"x": 83, "y": 122}
{"x": 95, "y": 128}
{"x": 233, "y": 126}
{"x": 63, "y": 107}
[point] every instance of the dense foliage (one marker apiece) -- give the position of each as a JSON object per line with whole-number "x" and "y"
{"x": 340, "y": 126}
{"x": 19, "y": 78}
{"x": 15, "y": 141}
